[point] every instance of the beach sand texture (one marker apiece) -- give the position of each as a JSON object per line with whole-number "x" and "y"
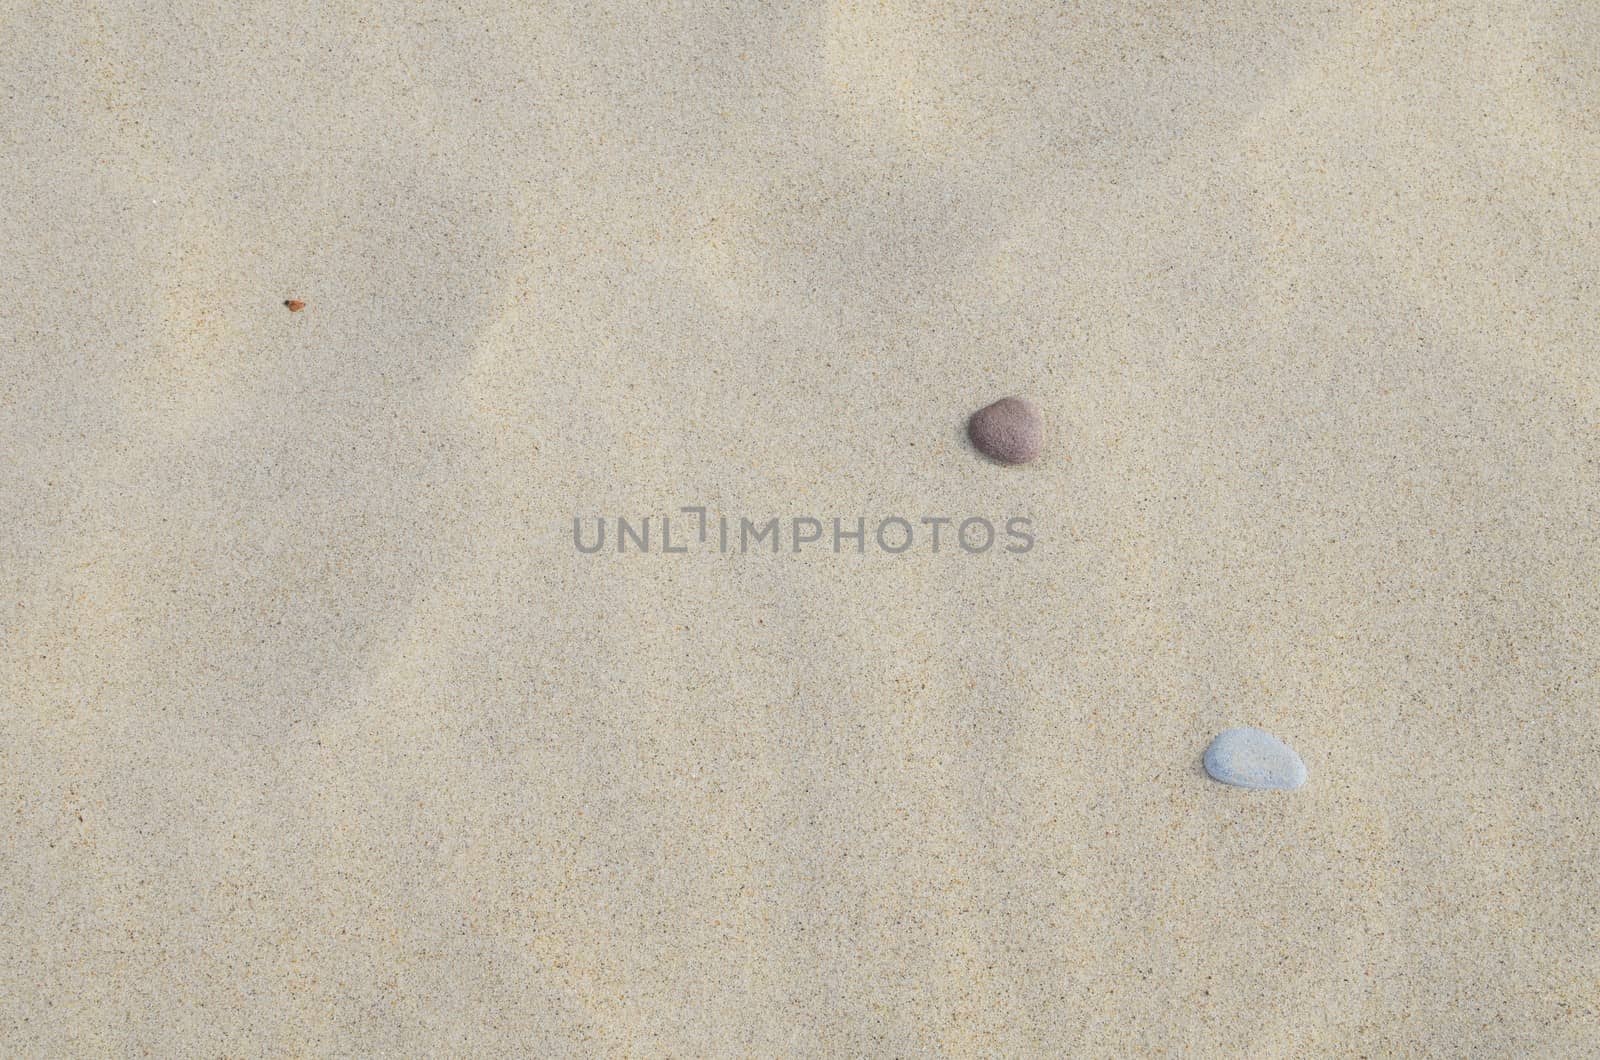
{"x": 319, "y": 737}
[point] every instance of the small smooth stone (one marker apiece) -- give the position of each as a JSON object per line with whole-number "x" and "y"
{"x": 1250, "y": 758}
{"x": 1010, "y": 431}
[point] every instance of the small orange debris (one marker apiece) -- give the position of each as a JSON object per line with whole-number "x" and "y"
{"x": 294, "y": 304}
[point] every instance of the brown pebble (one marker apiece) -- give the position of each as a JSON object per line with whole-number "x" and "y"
{"x": 1010, "y": 431}
{"x": 295, "y": 305}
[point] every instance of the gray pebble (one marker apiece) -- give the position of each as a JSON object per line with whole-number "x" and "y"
{"x": 1250, "y": 758}
{"x": 1010, "y": 431}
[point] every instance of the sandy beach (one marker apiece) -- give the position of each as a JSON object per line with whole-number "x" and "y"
{"x": 321, "y": 736}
